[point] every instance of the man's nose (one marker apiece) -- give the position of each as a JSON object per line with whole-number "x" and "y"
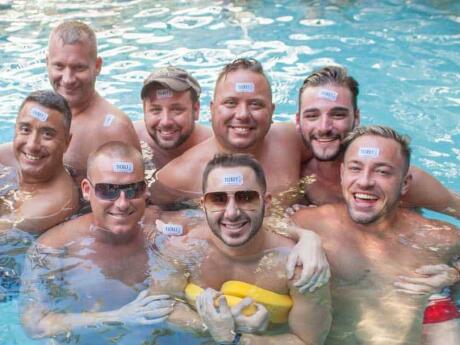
{"x": 68, "y": 76}
{"x": 122, "y": 202}
{"x": 231, "y": 209}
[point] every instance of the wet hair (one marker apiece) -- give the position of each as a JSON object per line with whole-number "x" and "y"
{"x": 73, "y": 32}
{"x": 246, "y": 64}
{"x": 384, "y": 132}
{"x": 231, "y": 160}
{"x": 114, "y": 149}
{"x": 335, "y": 75}
{"x": 51, "y": 100}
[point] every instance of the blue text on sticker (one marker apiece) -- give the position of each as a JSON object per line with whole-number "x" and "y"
{"x": 125, "y": 167}
{"x": 232, "y": 180}
{"x": 38, "y": 114}
{"x": 370, "y": 152}
{"x": 330, "y": 95}
{"x": 244, "y": 87}
{"x": 164, "y": 93}
{"x": 108, "y": 120}
{"x": 172, "y": 229}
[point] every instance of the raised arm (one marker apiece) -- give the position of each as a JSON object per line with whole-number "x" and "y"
{"x": 427, "y": 192}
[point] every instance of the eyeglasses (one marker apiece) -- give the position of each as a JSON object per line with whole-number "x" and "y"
{"x": 244, "y": 199}
{"x": 109, "y": 191}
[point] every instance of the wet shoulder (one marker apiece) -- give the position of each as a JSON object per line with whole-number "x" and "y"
{"x": 185, "y": 171}
{"x": 7, "y": 157}
{"x": 65, "y": 233}
{"x": 310, "y": 217}
{"x": 201, "y": 133}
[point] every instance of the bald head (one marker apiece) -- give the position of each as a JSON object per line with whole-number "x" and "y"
{"x": 114, "y": 150}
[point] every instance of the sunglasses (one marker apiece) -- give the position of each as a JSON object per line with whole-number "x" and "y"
{"x": 109, "y": 191}
{"x": 244, "y": 199}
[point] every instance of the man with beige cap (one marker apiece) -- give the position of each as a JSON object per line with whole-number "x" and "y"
{"x": 170, "y": 98}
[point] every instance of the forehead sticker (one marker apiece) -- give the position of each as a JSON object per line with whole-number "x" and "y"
{"x": 108, "y": 120}
{"x": 164, "y": 93}
{"x": 244, "y": 87}
{"x": 38, "y": 114}
{"x": 172, "y": 229}
{"x": 327, "y": 94}
{"x": 125, "y": 167}
{"x": 370, "y": 152}
{"x": 232, "y": 180}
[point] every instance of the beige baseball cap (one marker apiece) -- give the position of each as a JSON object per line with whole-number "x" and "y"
{"x": 174, "y": 78}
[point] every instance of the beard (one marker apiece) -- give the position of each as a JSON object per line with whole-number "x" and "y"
{"x": 255, "y": 224}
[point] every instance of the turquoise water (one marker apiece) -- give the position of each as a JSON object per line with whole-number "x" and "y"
{"x": 406, "y": 56}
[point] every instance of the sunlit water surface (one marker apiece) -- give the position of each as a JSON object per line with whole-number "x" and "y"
{"x": 406, "y": 56}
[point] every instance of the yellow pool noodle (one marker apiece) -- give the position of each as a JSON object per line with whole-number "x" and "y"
{"x": 278, "y": 305}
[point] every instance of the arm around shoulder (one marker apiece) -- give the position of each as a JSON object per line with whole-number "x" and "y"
{"x": 427, "y": 192}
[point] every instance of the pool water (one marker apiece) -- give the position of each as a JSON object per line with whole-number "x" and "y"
{"x": 406, "y": 56}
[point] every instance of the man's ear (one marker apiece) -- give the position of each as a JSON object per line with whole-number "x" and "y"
{"x": 202, "y": 203}
{"x": 407, "y": 181}
{"x": 67, "y": 142}
{"x": 297, "y": 122}
{"x": 196, "y": 110}
{"x": 342, "y": 168}
{"x": 357, "y": 118}
{"x": 98, "y": 65}
{"x": 85, "y": 189}
{"x": 268, "y": 204}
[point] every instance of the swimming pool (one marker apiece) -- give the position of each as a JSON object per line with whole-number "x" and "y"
{"x": 406, "y": 57}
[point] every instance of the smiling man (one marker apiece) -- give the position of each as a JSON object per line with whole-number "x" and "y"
{"x": 328, "y": 111}
{"x": 234, "y": 253}
{"x": 47, "y": 194}
{"x": 97, "y": 263}
{"x": 370, "y": 242}
{"x": 171, "y": 103}
{"x": 73, "y": 66}
{"x": 241, "y": 116}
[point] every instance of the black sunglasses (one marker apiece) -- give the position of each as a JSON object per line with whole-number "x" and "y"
{"x": 244, "y": 199}
{"x": 109, "y": 191}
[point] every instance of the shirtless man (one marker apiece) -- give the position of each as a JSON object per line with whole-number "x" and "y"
{"x": 171, "y": 103}
{"x": 97, "y": 263}
{"x": 46, "y": 195}
{"x": 370, "y": 241}
{"x": 233, "y": 246}
{"x": 241, "y": 116}
{"x": 328, "y": 111}
{"x": 73, "y": 66}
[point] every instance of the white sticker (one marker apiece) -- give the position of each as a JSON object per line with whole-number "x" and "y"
{"x": 232, "y": 180}
{"x": 38, "y": 114}
{"x": 244, "y": 87}
{"x": 108, "y": 120}
{"x": 164, "y": 93}
{"x": 125, "y": 167}
{"x": 327, "y": 94}
{"x": 172, "y": 229}
{"x": 370, "y": 152}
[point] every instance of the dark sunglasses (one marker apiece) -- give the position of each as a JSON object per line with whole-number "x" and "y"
{"x": 244, "y": 199}
{"x": 109, "y": 191}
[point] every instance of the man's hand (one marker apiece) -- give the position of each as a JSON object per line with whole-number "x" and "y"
{"x": 309, "y": 253}
{"x": 430, "y": 279}
{"x": 145, "y": 310}
{"x": 255, "y": 323}
{"x": 218, "y": 320}
{"x": 293, "y": 209}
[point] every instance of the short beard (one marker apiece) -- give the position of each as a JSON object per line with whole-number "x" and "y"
{"x": 174, "y": 145}
{"x": 319, "y": 158}
{"x": 255, "y": 228}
